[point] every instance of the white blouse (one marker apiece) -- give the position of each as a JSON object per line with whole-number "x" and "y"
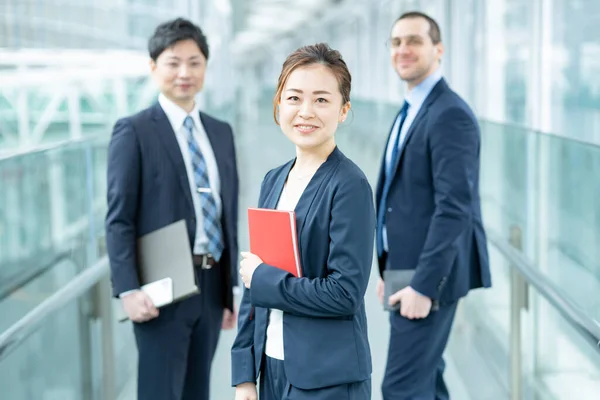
{"x": 274, "y": 344}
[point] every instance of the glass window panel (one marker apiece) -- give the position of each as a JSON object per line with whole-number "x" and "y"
{"x": 575, "y": 62}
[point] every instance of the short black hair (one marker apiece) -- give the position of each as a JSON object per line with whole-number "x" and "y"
{"x": 170, "y": 32}
{"x": 434, "y": 28}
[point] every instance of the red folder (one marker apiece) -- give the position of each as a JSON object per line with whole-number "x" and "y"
{"x": 273, "y": 238}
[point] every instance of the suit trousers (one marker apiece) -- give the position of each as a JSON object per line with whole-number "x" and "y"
{"x": 415, "y": 365}
{"x": 275, "y": 386}
{"x": 176, "y": 349}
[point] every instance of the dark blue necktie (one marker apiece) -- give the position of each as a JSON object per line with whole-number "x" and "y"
{"x": 212, "y": 225}
{"x": 389, "y": 175}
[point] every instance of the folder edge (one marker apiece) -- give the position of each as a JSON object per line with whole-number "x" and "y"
{"x": 295, "y": 244}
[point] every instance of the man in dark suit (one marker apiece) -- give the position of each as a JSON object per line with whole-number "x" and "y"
{"x": 167, "y": 163}
{"x": 429, "y": 214}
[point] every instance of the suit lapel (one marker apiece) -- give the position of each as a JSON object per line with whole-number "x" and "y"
{"x": 273, "y": 197}
{"x": 379, "y": 189}
{"x": 308, "y": 196}
{"x": 169, "y": 141}
{"x": 416, "y": 122}
{"x": 419, "y": 118}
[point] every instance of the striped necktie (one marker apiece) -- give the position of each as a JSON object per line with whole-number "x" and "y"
{"x": 212, "y": 225}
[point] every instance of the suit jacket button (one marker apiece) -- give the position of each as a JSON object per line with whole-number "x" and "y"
{"x": 389, "y": 209}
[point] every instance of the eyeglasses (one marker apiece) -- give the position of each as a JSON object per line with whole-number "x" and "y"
{"x": 411, "y": 41}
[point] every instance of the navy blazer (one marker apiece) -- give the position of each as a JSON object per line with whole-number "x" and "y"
{"x": 433, "y": 216}
{"x": 148, "y": 189}
{"x": 324, "y": 320}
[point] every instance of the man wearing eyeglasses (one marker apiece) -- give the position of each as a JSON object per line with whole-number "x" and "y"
{"x": 429, "y": 215}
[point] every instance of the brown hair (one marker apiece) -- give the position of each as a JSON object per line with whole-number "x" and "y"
{"x": 434, "y": 28}
{"x": 319, "y": 53}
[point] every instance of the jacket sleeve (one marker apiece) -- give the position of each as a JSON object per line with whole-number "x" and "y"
{"x": 454, "y": 144}
{"x": 341, "y": 292}
{"x": 242, "y": 351}
{"x": 123, "y": 176}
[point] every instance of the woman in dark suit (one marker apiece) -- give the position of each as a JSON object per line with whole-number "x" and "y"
{"x": 307, "y": 337}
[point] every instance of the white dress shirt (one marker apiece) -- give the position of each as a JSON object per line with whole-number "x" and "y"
{"x": 176, "y": 116}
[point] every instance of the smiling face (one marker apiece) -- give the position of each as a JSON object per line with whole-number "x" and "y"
{"x": 413, "y": 53}
{"x": 179, "y": 72}
{"x": 311, "y": 107}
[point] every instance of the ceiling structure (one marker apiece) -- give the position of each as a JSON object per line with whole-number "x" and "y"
{"x": 258, "y": 22}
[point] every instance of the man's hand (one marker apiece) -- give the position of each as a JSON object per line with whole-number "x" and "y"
{"x": 246, "y": 391}
{"x": 248, "y": 265}
{"x": 412, "y": 304}
{"x": 229, "y": 318}
{"x": 139, "y": 307}
{"x": 380, "y": 290}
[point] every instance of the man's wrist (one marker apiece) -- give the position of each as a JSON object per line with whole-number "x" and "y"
{"x": 417, "y": 292}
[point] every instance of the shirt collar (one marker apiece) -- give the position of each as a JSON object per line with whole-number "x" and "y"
{"x": 416, "y": 97}
{"x": 176, "y": 114}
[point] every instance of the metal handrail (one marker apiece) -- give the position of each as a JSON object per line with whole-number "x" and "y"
{"x": 584, "y": 324}
{"x": 551, "y": 135}
{"x": 78, "y": 286}
{"x": 96, "y": 138}
{"x": 17, "y": 282}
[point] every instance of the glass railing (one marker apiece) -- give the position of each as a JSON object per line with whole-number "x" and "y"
{"x": 548, "y": 186}
{"x": 527, "y": 339}
{"x": 54, "y": 341}
{"x": 69, "y": 346}
{"x": 538, "y": 191}
{"x": 52, "y": 205}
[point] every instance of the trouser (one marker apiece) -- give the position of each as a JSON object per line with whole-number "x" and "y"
{"x": 275, "y": 386}
{"x": 176, "y": 349}
{"x": 415, "y": 366}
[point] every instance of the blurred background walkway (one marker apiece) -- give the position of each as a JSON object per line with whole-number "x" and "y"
{"x": 529, "y": 69}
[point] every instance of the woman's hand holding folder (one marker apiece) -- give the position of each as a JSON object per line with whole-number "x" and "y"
{"x": 248, "y": 265}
